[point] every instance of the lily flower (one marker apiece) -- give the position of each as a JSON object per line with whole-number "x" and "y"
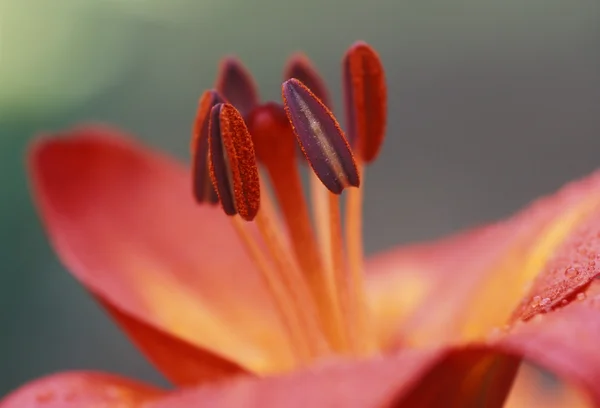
{"x": 241, "y": 299}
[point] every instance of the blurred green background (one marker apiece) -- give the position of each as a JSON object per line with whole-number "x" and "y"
{"x": 492, "y": 104}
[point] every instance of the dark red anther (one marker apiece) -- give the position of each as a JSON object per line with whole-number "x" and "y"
{"x": 300, "y": 67}
{"x": 365, "y": 97}
{"x": 320, "y": 137}
{"x": 232, "y": 162}
{"x": 201, "y": 184}
{"x": 236, "y": 85}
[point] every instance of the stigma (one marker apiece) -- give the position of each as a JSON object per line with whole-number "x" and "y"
{"x": 247, "y": 157}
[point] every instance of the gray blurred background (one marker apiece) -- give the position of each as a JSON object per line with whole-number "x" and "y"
{"x": 492, "y": 103}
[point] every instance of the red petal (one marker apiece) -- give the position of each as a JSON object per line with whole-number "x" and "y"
{"x": 122, "y": 218}
{"x": 471, "y": 283}
{"x": 181, "y": 362}
{"x": 412, "y": 378}
{"x": 362, "y": 384}
{"x": 564, "y": 341}
{"x": 81, "y": 389}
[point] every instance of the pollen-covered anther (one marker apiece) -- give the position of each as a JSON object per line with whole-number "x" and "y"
{"x": 365, "y": 97}
{"x": 320, "y": 137}
{"x": 300, "y": 67}
{"x": 203, "y": 189}
{"x": 236, "y": 85}
{"x": 232, "y": 162}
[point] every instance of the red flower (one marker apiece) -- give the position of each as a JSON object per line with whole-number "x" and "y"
{"x": 209, "y": 297}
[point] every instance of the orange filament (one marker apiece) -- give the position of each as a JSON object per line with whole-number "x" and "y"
{"x": 275, "y": 148}
{"x": 290, "y": 275}
{"x": 278, "y": 292}
{"x": 354, "y": 246}
{"x": 326, "y": 213}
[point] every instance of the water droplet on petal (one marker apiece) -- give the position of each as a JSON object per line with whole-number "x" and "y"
{"x": 536, "y": 301}
{"x": 571, "y": 272}
{"x": 581, "y": 296}
{"x": 545, "y": 302}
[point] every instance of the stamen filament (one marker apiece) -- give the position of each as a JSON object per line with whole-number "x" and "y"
{"x": 278, "y": 292}
{"x": 322, "y": 201}
{"x": 275, "y": 146}
{"x": 290, "y": 275}
{"x": 288, "y": 188}
{"x": 354, "y": 247}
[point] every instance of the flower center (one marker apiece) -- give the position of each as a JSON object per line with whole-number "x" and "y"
{"x": 314, "y": 276}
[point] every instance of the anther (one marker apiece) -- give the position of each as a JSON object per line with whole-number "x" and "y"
{"x": 320, "y": 137}
{"x": 236, "y": 85}
{"x": 232, "y": 162}
{"x": 365, "y": 99}
{"x": 300, "y": 67}
{"x": 203, "y": 189}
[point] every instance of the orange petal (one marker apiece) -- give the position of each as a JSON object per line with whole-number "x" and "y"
{"x": 407, "y": 282}
{"x": 81, "y": 389}
{"x": 567, "y": 274}
{"x": 346, "y": 384}
{"x": 475, "y": 280}
{"x": 409, "y": 379}
{"x": 122, "y": 218}
{"x": 564, "y": 341}
{"x": 181, "y": 362}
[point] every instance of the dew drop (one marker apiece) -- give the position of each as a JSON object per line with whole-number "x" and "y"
{"x": 571, "y": 272}
{"x": 581, "y": 296}
{"x": 545, "y": 302}
{"x": 536, "y": 301}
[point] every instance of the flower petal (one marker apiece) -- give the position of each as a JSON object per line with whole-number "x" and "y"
{"x": 181, "y": 362}
{"x": 411, "y": 378}
{"x": 122, "y": 218}
{"x": 405, "y": 282}
{"x": 477, "y": 279}
{"x": 81, "y": 389}
{"x": 346, "y": 384}
{"x": 564, "y": 342}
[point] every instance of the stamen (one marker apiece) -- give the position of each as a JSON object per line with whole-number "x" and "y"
{"x": 234, "y": 175}
{"x": 366, "y": 100}
{"x": 291, "y": 276}
{"x": 366, "y": 111}
{"x": 232, "y": 162}
{"x": 328, "y": 152}
{"x": 275, "y": 146}
{"x": 300, "y": 67}
{"x": 202, "y": 187}
{"x": 279, "y": 292}
{"x": 237, "y": 86}
{"x": 320, "y": 137}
